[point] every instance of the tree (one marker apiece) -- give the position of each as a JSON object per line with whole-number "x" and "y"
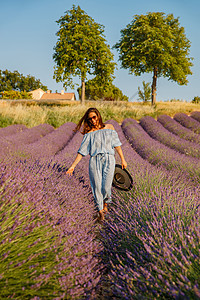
{"x": 196, "y": 100}
{"x": 155, "y": 43}
{"x": 15, "y": 95}
{"x": 96, "y": 91}
{"x": 81, "y": 50}
{"x": 145, "y": 95}
{"x": 18, "y": 82}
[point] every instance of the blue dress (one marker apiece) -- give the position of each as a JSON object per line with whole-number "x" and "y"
{"x": 100, "y": 146}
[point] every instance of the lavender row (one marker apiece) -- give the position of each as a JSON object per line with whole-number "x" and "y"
{"x": 12, "y": 129}
{"x": 140, "y": 168}
{"x": 66, "y": 156}
{"x": 157, "y": 153}
{"x": 152, "y": 242}
{"x": 159, "y": 199}
{"x": 188, "y": 122}
{"x": 14, "y": 144}
{"x": 195, "y": 115}
{"x": 146, "y": 178}
{"x": 47, "y": 242}
{"x": 52, "y": 143}
{"x": 159, "y": 133}
{"x": 176, "y": 128}
{"x": 43, "y": 148}
{"x": 72, "y": 188}
{"x": 30, "y": 135}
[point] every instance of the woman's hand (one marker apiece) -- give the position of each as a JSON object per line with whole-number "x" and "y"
{"x": 70, "y": 171}
{"x": 76, "y": 161}
{"x": 124, "y": 164}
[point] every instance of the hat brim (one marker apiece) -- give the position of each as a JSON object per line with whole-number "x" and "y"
{"x": 122, "y": 179}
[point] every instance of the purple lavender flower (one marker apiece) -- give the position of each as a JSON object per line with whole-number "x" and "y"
{"x": 148, "y": 245}
{"x": 195, "y": 115}
{"x": 12, "y": 129}
{"x": 159, "y": 133}
{"x": 55, "y": 213}
{"x": 176, "y": 128}
{"x": 159, "y": 154}
{"x": 188, "y": 122}
{"x": 15, "y": 144}
{"x": 52, "y": 143}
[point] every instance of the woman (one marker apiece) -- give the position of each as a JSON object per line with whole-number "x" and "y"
{"x": 99, "y": 142}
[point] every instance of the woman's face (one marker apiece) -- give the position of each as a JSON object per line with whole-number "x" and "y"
{"x": 93, "y": 119}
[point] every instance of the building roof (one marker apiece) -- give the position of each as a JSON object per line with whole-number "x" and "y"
{"x": 58, "y": 96}
{"x": 41, "y": 90}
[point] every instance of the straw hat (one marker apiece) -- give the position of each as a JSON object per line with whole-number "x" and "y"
{"x": 122, "y": 179}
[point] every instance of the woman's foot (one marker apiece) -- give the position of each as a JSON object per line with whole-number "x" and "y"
{"x": 105, "y": 208}
{"x": 100, "y": 217}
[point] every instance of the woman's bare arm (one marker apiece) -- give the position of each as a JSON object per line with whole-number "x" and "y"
{"x": 76, "y": 161}
{"x": 123, "y": 162}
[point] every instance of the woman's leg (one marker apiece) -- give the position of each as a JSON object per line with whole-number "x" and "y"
{"x": 95, "y": 174}
{"x": 101, "y": 172}
{"x": 108, "y": 174}
{"x": 105, "y": 207}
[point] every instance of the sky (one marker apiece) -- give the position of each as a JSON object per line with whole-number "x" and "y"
{"x": 28, "y": 37}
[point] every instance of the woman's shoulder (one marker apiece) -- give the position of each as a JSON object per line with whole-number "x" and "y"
{"x": 109, "y": 126}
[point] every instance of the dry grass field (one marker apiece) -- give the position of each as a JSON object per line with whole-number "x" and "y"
{"x": 32, "y": 113}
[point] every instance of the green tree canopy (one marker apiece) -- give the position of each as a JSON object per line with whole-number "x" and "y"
{"x": 106, "y": 92}
{"x": 11, "y": 95}
{"x": 18, "y": 82}
{"x": 81, "y": 50}
{"x": 155, "y": 43}
{"x": 196, "y": 100}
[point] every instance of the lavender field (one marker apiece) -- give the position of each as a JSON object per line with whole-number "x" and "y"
{"x": 148, "y": 247}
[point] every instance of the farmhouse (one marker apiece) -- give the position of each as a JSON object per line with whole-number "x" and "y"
{"x": 39, "y": 94}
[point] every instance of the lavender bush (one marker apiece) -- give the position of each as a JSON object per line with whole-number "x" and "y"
{"x": 146, "y": 172}
{"x": 12, "y": 129}
{"x": 48, "y": 245}
{"x": 14, "y": 144}
{"x": 176, "y": 128}
{"x": 66, "y": 156}
{"x": 159, "y": 133}
{"x": 195, "y": 115}
{"x": 188, "y": 122}
{"x": 51, "y": 247}
{"x": 52, "y": 143}
{"x": 30, "y": 135}
{"x": 159, "y": 154}
{"x": 151, "y": 235}
{"x": 152, "y": 243}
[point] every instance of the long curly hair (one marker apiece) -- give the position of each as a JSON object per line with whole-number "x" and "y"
{"x": 86, "y": 123}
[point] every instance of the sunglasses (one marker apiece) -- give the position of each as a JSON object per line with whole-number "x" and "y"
{"x": 92, "y": 118}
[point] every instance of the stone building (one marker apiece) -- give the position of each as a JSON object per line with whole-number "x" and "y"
{"x": 39, "y": 94}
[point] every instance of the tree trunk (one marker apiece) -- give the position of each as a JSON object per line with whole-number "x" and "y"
{"x": 83, "y": 91}
{"x": 153, "y": 93}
